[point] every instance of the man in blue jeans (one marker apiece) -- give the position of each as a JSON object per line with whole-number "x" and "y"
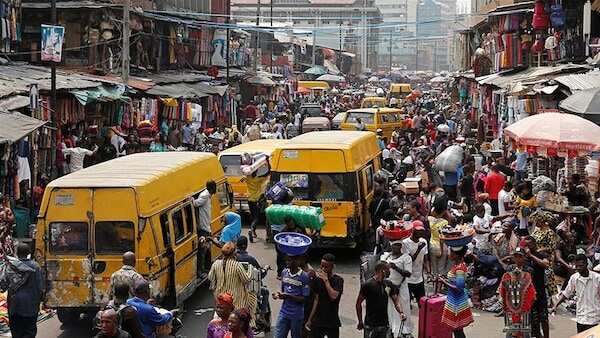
{"x": 294, "y": 290}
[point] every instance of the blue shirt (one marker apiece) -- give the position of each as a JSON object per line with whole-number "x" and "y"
{"x": 452, "y": 178}
{"x": 295, "y": 285}
{"x": 521, "y": 164}
{"x": 148, "y": 317}
{"x": 233, "y": 229}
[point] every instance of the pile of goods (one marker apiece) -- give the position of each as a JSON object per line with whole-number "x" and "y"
{"x": 303, "y": 216}
{"x": 396, "y": 230}
{"x": 458, "y": 236}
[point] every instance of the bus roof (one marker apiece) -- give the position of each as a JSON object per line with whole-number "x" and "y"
{"x": 374, "y": 110}
{"x": 356, "y": 147}
{"x": 314, "y": 84}
{"x": 257, "y": 146}
{"x": 159, "y": 179}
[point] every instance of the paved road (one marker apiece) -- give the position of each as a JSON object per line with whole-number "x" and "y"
{"x": 486, "y": 325}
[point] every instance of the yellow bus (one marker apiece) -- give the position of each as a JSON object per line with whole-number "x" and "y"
{"x": 230, "y": 160}
{"x": 333, "y": 170}
{"x": 386, "y": 119}
{"x": 374, "y": 102}
{"x": 140, "y": 203}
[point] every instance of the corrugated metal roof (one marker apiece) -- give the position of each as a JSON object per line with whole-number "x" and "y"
{"x": 580, "y": 81}
{"x": 530, "y": 75}
{"x": 69, "y": 4}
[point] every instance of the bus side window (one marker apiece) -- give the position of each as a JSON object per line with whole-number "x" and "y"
{"x": 164, "y": 226}
{"x": 190, "y": 219}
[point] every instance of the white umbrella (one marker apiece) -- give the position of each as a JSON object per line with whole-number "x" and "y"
{"x": 331, "y": 78}
{"x": 261, "y": 80}
{"x": 373, "y": 79}
{"x": 439, "y": 79}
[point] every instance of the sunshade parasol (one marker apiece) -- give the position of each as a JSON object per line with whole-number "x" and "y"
{"x": 555, "y": 130}
{"x": 260, "y": 80}
{"x": 373, "y": 79}
{"x": 331, "y": 78}
{"x": 316, "y": 70}
{"x": 439, "y": 79}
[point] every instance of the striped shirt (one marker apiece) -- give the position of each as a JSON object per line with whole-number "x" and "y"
{"x": 230, "y": 276}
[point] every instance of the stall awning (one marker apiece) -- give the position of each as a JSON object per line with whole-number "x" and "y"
{"x": 101, "y": 93}
{"x": 177, "y": 90}
{"x": 14, "y": 126}
{"x": 14, "y": 102}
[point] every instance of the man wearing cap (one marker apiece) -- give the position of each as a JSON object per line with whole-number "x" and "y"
{"x": 416, "y": 247}
{"x": 148, "y": 317}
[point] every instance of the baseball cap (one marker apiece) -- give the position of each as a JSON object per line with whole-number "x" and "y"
{"x": 418, "y": 225}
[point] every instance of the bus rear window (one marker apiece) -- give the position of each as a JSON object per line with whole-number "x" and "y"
{"x": 69, "y": 237}
{"x": 321, "y": 187}
{"x": 114, "y": 237}
{"x": 367, "y": 118}
{"x": 231, "y": 165}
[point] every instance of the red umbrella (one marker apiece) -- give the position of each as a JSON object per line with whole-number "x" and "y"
{"x": 561, "y": 131}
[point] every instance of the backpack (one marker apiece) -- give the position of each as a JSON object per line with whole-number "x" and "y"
{"x": 557, "y": 15}
{"x": 540, "y": 16}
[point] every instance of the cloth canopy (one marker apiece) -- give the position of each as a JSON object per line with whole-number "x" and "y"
{"x": 100, "y": 93}
{"x": 177, "y": 90}
{"x": 316, "y": 70}
{"x": 561, "y": 131}
{"x": 14, "y": 102}
{"x": 14, "y": 126}
{"x": 583, "y": 102}
{"x": 331, "y": 78}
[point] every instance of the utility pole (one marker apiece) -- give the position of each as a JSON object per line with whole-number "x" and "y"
{"x": 126, "y": 35}
{"x": 53, "y": 103}
{"x": 417, "y": 55}
{"x": 314, "y": 48}
{"x": 390, "y": 52}
{"x": 364, "y": 36}
{"x": 339, "y": 63}
{"x": 228, "y": 21}
{"x": 272, "y": 32}
{"x": 257, "y": 37}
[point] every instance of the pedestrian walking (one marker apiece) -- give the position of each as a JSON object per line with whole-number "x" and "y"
{"x": 376, "y": 293}
{"x": 126, "y": 274}
{"x": 416, "y": 247}
{"x": 457, "y": 311}
{"x": 324, "y": 319}
{"x": 294, "y": 291}
{"x": 23, "y": 280}
{"x": 239, "y": 324}
{"x": 400, "y": 264}
{"x": 148, "y": 317}
{"x": 586, "y": 285}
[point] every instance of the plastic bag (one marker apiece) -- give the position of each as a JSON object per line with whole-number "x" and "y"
{"x": 449, "y": 159}
{"x": 304, "y": 216}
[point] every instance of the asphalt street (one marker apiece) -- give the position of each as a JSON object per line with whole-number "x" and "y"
{"x": 199, "y": 308}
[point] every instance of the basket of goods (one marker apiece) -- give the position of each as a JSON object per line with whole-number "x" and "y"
{"x": 292, "y": 243}
{"x": 396, "y": 230}
{"x": 303, "y": 216}
{"x": 458, "y": 236}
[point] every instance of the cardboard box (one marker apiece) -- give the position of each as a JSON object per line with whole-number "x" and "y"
{"x": 410, "y": 188}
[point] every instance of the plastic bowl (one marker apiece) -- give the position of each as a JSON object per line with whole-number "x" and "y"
{"x": 456, "y": 242}
{"x": 293, "y": 243}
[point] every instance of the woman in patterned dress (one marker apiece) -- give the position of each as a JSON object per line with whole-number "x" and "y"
{"x": 547, "y": 241}
{"x": 457, "y": 311}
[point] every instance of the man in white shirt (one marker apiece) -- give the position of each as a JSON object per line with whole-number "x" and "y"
{"x": 586, "y": 284}
{"x": 482, "y": 224}
{"x": 77, "y": 156}
{"x": 505, "y": 199}
{"x": 118, "y": 142}
{"x": 416, "y": 247}
{"x": 204, "y": 205}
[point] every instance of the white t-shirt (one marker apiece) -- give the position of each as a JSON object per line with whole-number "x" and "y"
{"x": 410, "y": 248}
{"x": 488, "y": 209}
{"x": 77, "y": 156}
{"x": 118, "y": 142}
{"x": 503, "y": 197}
{"x": 403, "y": 262}
{"x": 297, "y": 118}
{"x": 479, "y": 224}
{"x": 204, "y": 205}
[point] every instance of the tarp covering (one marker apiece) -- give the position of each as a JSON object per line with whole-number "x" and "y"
{"x": 178, "y": 90}
{"x": 14, "y": 126}
{"x": 101, "y": 93}
{"x": 14, "y": 102}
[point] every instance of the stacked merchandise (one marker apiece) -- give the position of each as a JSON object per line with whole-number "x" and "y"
{"x": 10, "y": 29}
{"x": 511, "y": 43}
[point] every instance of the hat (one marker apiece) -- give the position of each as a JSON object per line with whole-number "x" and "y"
{"x": 396, "y": 242}
{"x": 418, "y": 225}
{"x": 225, "y": 299}
{"x": 519, "y": 251}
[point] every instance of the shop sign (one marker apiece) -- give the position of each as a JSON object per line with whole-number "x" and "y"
{"x": 52, "y": 42}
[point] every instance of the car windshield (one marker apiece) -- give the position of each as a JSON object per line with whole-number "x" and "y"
{"x": 339, "y": 117}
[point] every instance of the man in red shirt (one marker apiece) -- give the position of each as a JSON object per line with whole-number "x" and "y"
{"x": 494, "y": 182}
{"x": 250, "y": 111}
